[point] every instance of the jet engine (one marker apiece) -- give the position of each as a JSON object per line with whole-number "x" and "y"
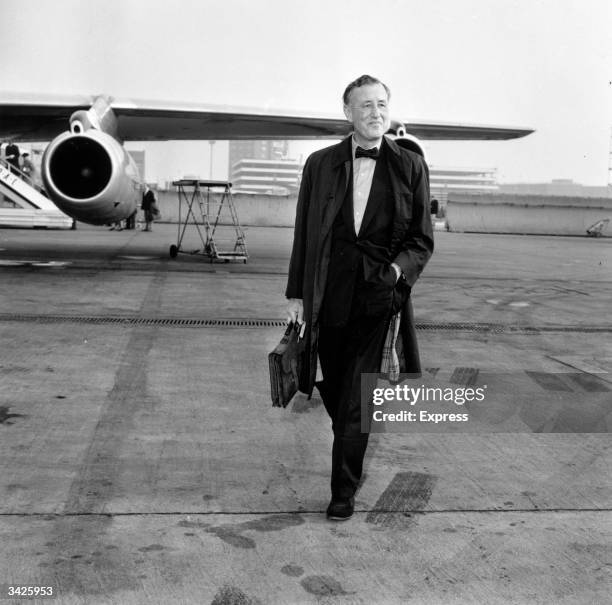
{"x": 398, "y": 133}
{"x": 89, "y": 175}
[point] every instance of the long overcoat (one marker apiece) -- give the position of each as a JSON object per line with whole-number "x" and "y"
{"x": 322, "y": 192}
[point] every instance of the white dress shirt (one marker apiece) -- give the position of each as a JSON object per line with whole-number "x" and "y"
{"x": 363, "y": 173}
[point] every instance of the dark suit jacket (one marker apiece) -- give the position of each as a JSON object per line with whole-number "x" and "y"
{"x": 360, "y": 279}
{"x": 323, "y": 189}
{"x": 148, "y": 199}
{"x": 12, "y": 154}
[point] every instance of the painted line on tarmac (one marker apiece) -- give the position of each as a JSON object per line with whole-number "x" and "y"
{"x": 139, "y": 257}
{"x": 34, "y": 263}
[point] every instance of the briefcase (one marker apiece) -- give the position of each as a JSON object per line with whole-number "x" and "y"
{"x": 285, "y": 366}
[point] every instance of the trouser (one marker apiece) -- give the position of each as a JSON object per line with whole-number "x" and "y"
{"x": 345, "y": 353}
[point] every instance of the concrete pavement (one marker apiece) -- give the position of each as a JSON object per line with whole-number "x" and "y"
{"x": 143, "y": 462}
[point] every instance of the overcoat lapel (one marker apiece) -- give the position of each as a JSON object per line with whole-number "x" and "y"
{"x": 396, "y": 169}
{"x": 339, "y": 181}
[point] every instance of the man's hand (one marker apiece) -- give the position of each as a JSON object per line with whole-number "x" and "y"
{"x": 295, "y": 313}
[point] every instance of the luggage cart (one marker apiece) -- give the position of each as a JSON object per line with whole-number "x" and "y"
{"x": 196, "y": 194}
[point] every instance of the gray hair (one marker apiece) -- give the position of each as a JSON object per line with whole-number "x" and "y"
{"x": 363, "y": 81}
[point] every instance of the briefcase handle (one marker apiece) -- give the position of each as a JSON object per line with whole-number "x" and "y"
{"x": 294, "y": 325}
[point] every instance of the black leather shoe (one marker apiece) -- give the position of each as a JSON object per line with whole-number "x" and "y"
{"x": 341, "y": 510}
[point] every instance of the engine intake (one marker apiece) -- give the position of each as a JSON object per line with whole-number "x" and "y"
{"x": 81, "y": 168}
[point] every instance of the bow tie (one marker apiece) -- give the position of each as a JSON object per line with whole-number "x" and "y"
{"x": 367, "y": 153}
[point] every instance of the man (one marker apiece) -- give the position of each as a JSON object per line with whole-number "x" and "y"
{"x": 362, "y": 237}
{"x": 27, "y": 167}
{"x": 12, "y": 156}
{"x": 148, "y": 206}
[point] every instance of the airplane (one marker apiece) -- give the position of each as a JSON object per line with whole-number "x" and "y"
{"x": 89, "y": 175}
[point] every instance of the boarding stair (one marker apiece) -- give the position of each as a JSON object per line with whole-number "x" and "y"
{"x": 23, "y": 203}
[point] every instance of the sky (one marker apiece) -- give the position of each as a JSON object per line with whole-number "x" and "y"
{"x": 543, "y": 64}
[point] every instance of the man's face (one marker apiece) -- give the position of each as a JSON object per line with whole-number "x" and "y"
{"x": 368, "y": 111}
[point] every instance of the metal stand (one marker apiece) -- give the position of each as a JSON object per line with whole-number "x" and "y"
{"x": 211, "y": 214}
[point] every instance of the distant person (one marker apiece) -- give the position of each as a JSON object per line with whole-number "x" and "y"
{"x": 435, "y": 206}
{"x": 130, "y": 221}
{"x": 148, "y": 206}
{"x": 12, "y": 155}
{"x": 362, "y": 237}
{"x": 27, "y": 167}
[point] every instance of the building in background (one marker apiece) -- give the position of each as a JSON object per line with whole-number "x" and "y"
{"x": 467, "y": 180}
{"x": 271, "y": 177}
{"x": 257, "y": 150}
{"x": 263, "y": 167}
{"x": 139, "y": 159}
{"x": 562, "y": 187}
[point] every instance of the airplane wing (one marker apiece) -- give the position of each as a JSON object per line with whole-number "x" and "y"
{"x": 38, "y": 117}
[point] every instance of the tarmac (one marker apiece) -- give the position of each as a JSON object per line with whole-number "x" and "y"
{"x": 142, "y": 460}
